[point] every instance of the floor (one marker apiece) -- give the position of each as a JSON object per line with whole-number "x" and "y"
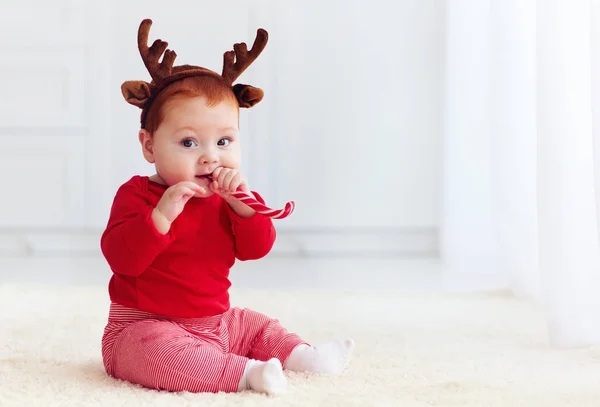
{"x": 274, "y": 273}
{"x": 413, "y": 349}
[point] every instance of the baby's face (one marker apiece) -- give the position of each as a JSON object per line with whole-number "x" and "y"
{"x": 194, "y": 139}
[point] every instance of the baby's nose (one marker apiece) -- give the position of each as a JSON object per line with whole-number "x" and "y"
{"x": 208, "y": 158}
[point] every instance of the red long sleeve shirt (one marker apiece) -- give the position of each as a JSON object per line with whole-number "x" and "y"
{"x": 184, "y": 273}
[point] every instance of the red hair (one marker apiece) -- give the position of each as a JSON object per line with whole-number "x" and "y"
{"x": 214, "y": 90}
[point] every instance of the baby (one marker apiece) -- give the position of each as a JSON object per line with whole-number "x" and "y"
{"x": 172, "y": 238}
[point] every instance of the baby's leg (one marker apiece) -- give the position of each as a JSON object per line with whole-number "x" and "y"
{"x": 260, "y": 337}
{"x": 162, "y": 355}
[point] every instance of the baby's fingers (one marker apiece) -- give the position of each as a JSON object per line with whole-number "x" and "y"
{"x": 236, "y": 181}
{"x": 216, "y": 173}
{"x": 193, "y": 186}
{"x": 185, "y": 192}
{"x": 227, "y": 180}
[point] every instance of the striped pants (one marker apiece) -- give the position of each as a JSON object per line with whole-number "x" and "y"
{"x": 196, "y": 355}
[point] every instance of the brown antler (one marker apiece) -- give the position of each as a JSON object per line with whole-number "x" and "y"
{"x": 243, "y": 57}
{"x": 151, "y": 55}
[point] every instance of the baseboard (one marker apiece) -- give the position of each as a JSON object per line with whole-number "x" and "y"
{"x": 357, "y": 242}
{"x": 302, "y": 243}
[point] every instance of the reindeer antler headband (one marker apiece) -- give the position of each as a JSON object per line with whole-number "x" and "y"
{"x": 142, "y": 94}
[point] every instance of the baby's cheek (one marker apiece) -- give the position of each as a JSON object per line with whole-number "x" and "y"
{"x": 186, "y": 170}
{"x": 231, "y": 161}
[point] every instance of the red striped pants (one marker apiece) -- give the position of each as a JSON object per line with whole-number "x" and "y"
{"x": 196, "y": 355}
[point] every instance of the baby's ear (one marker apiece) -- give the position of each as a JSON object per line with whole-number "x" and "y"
{"x": 136, "y": 92}
{"x": 247, "y": 95}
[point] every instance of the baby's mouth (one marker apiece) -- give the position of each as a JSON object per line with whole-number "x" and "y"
{"x": 205, "y": 179}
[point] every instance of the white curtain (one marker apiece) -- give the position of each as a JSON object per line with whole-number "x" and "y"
{"x": 522, "y": 154}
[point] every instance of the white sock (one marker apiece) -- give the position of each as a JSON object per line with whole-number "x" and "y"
{"x": 264, "y": 377}
{"x": 332, "y": 357}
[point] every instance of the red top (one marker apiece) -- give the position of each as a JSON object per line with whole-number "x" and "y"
{"x": 184, "y": 273}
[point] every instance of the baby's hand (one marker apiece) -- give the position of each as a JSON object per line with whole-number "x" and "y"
{"x": 227, "y": 181}
{"x": 172, "y": 203}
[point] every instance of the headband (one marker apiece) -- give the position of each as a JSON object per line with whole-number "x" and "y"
{"x": 235, "y": 62}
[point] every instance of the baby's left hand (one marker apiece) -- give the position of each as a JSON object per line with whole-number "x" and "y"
{"x": 227, "y": 181}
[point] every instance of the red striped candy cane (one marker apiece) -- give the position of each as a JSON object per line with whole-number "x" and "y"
{"x": 251, "y": 201}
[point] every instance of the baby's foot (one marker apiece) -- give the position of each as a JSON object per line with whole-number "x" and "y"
{"x": 266, "y": 377}
{"x": 332, "y": 357}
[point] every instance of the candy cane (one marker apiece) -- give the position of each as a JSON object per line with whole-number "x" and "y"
{"x": 251, "y": 201}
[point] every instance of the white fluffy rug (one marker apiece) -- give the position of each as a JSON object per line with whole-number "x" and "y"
{"x": 413, "y": 349}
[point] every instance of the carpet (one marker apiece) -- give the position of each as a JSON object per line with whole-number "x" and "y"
{"x": 412, "y": 349}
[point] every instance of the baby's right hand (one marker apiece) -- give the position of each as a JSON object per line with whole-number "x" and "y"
{"x": 172, "y": 203}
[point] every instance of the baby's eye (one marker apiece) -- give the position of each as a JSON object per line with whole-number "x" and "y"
{"x": 223, "y": 142}
{"x": 188, "y": 143}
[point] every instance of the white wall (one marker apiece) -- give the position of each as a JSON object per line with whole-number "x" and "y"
{"x": 51, "y": 115}
{"x": 350, "y": 127}
{"x": 355, "y": 116}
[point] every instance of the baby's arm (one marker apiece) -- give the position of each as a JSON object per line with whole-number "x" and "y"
{"x": 138, "y": 231}
{"x": 131, "y": 241}
{"x": 254, "y": 235}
